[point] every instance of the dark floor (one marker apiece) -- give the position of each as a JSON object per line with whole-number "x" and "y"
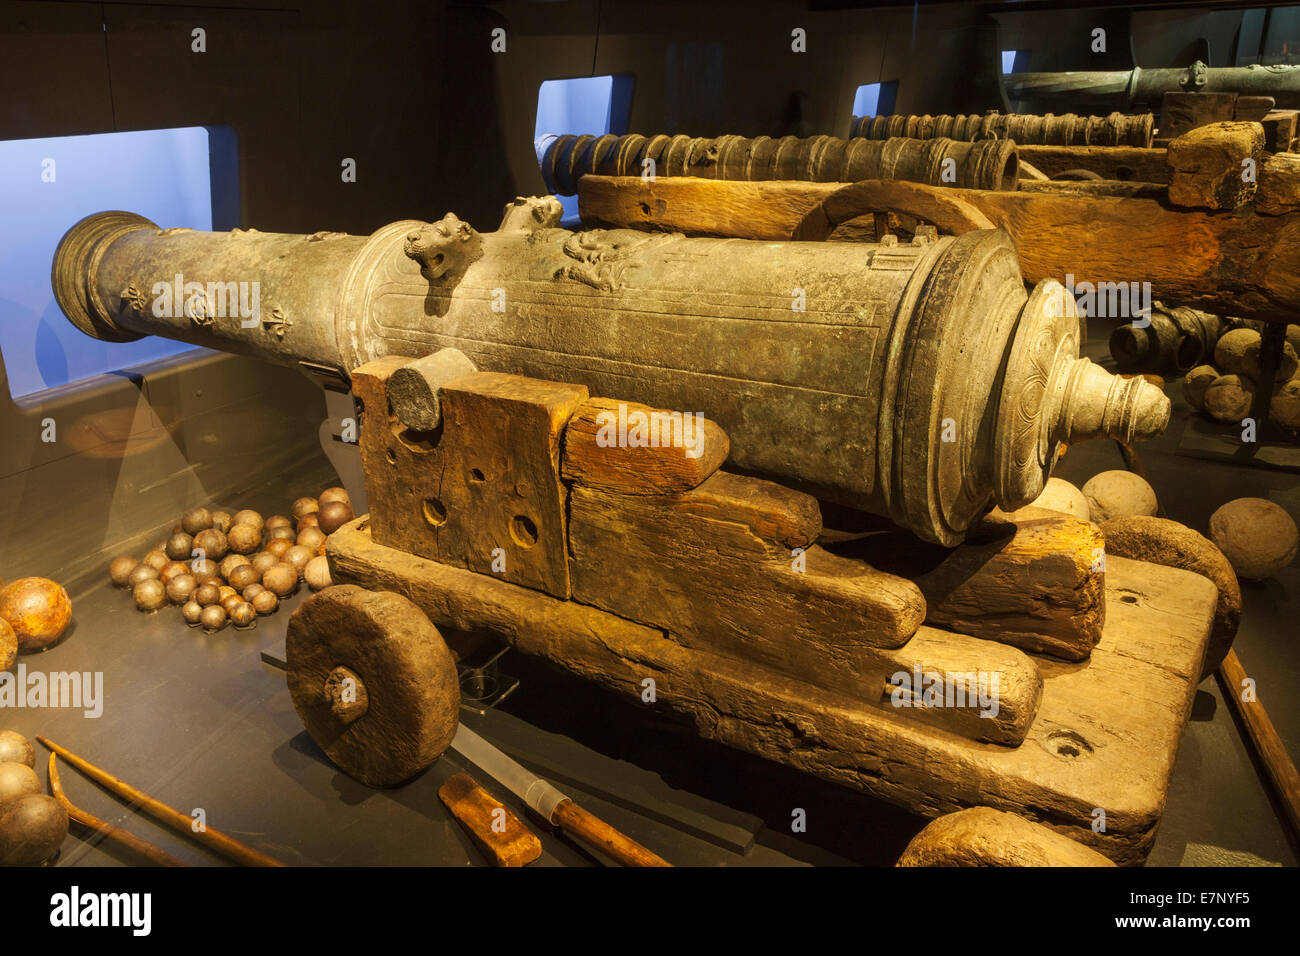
{"x": 201, "y": 722}
{"x": 1219, "y": 810}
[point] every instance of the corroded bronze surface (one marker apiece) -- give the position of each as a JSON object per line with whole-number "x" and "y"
{"x": 916, "y": 381}
{"x": 1067, "y": 129}
{"x": 939, "y": 162}
{"x": 1125, "y": 88}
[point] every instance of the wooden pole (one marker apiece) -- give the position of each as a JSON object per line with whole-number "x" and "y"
{"x": 1278, "y": 766}
{"x": 1133, "y": 462}
{"x": 141, "y": 848}
{"x": 214, "y": 840}
{"x": 574, "y": 820}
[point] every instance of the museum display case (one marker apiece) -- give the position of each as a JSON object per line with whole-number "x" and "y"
{"x": 599, "y": 434}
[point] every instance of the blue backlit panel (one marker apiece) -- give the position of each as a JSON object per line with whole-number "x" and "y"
{"x": 46, "y": 185}
{"x": 875, "y": 99}
{"x": 583, "y": 106}
{"x": 1014, "y": 61}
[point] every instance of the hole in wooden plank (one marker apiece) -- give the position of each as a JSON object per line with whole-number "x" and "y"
{"x": 435, "y": 512}
{"x": 419, "y": 442}
{"x": 1067, "y": 744}
{"x": 523, "y": 530}
{"x": 391, "y": 455}
{"x": 476, "y": 475}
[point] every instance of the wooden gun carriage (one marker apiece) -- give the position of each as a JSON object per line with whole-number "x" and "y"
{"x": 707, "y": 593}
{"x": 1025, "y": 670}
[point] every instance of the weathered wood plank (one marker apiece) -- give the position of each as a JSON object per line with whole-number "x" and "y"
{"x": 982, "y": 836}
{"x": 1183, "y": 112}
{"x": 1036, "y": 582}
{"x": 1225, "y": 263}
{"x": 633, "y": 449}
{"x": 1104, "y": 738}
{"x": 1108, "y": 162}
{"x": 779, "y": 516}
{"x": 1215, "y": 166}
{"x": 676, "y": 559}
{"x": 1279, "y": 130}
{"x": 1095, "y": 188}
{"x": 495, "y": 830}
{"x": 1279, "y": 185}
{"x": 701, "y": 573}
{"x": 764, "y": 210}
{"x": 483, "y": 491}
{"x": 1161, "y": 541}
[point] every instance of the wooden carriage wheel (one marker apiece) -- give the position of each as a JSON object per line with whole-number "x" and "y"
{"x": 947, "y": 213}
{"x": 373, "y": 682}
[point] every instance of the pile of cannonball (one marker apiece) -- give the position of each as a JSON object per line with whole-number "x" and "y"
{"x": 32, "y": 824}
{"x": 1226, "y": 389}
{"x": 1109, "y": 494}
{"x": 221, "y": 568}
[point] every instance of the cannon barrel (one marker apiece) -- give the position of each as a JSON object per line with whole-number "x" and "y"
{"x": 825, "y": 159}
{"x": 1026, "y": 129}
{"x": 917, "y": 381}
{"x": 1123, "y": 89}
{"x": 1172, "y": 340}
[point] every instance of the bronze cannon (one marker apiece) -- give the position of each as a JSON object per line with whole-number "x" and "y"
{"x": 1124, "y": 89}
{"x": 916, "y": 381}
{"x": 988, "y": 164}
{"x": 1025, "y": 129}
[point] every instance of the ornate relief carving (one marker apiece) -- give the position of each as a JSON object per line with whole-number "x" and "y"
{"x": 601, "y": 256}
{"x": 134, "y": 298}
{"x": 277, "y": 323}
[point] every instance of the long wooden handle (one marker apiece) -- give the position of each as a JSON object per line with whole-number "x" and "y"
{"x": 215, "y": 840}
{"x": 1263, "y": 735}
{"x": 141, "y": 848}
{"x": 571, "y": 818}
